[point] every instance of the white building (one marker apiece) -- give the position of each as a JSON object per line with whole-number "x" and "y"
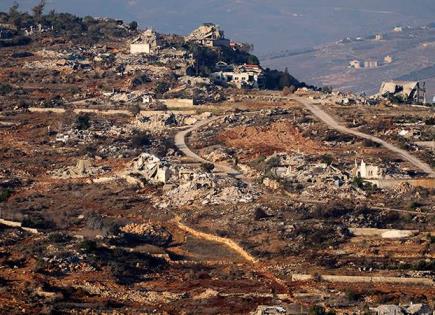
{"x": 388, "y": 59}
{"x": 147, "y": 43}
{"x": 379, "y": 37}
{"x": 371, "y": 64}
{"x": 367, "y": 171}
{"x": 244, "y": 76}
{"x": 356, "y": 64}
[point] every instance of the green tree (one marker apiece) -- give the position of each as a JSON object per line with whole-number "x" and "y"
{"x": 15, "y": 15}
{"x": 285, "y": 79}
{"x": 38, "y": 11}
{"x": 133, "y": 26}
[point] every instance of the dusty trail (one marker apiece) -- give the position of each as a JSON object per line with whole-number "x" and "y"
{"x": 180, "y": 142}
{"x": 331, "y": 122}
{"x": 256, "y": 266}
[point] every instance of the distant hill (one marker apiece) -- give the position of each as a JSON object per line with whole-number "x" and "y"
{"x": 412, "y": 52}
{"x": 270, "y": 25}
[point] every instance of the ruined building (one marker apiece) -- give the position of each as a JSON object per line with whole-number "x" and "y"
{"x": 367, "y": 171}
{"x": 148, "y": 42}
{"x": 244, "y": 76}
{"x": 410, "y": 91}
{"x": 209, "y": 35}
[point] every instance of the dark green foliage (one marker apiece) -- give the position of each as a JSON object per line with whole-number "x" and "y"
{"x": 206, "y": 58}
{"x": 58, "y": 237}
{"x": 88, "y": 246}
{"x": 319, "y": 310}
{"x": 141, "y": 140}
{"x": 327, "y": 159}
{"x": 414, "y": 205}
{"x": 83, "y": 122}
{"x": 5, "y": 194}
{"x": 370, "y": 144}
{"x": 56, "y": 101}
{"x": 38, "y": 11}
{"x": 430, "y": 121}
{"x": 133, "y": 25}
{"x": 207, "y": 167}
{"x": 5, "y": 89}
{"x": 358, "y": 182}
{"x": 278, "y": 80}
{"x": 353, "y": 296}
{"x": 16, "y": 41}
{"x": 37, "y": 221}
{"x": 66, "y": 24}
{"x": 161, "y": 88}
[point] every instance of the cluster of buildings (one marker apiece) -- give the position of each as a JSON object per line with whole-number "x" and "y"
{"x": 370, "y": 64}
{"x": 207, "y": 35}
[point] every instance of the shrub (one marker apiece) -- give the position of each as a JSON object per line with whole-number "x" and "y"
{"x": 319, "y": 310}
{"x": 370, "y": 144}
{"x": 38, "y": 222}
{"x": 58, "y": 237}
{"x": 141, "y": 140}
{"x": 327, "y": 159}
{"x": 5, "y": 89}
{"x": 161, "y": 88}
{"x": 207, "y": 167}
{"x": 134, "y": 109}
{"x": 83, "y": 122}
{"x": 88, "y": 246}
{"x": 5, "y": 194}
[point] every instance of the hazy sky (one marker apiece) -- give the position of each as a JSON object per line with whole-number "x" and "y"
{"x": 271, "y": 25}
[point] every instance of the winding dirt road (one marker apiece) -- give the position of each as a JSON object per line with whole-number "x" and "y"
{"x": 331, "y": 122}
{"x": 180, "y": 142}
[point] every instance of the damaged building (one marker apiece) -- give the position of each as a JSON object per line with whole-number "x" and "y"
{"x": 409, "y": 91}
{"x": 243, "y": 76}
{"x": 367, "y": 171}
{"x": 148, "y": 42}
{"x": 209, "y": 35}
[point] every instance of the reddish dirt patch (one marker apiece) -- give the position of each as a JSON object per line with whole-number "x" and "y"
{"x": 278, "y": 137}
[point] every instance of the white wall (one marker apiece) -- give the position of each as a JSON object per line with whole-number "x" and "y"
{"x": 140, "y": 49}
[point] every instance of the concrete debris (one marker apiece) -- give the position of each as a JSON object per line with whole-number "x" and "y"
{"x": 150, "y": 168}
{"x": 412, "y": 309}
{"x": 83, "y": 168}
{"x": 269, "y": 310}
{"x": 207, "y": 188}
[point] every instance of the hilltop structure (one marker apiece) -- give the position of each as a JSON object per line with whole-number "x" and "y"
{"x": 209, "y": 35}
{"x": 147, "y": 43}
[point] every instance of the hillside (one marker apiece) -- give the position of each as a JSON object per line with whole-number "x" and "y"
{"x": 269, "y": 25}
{"x": 412, "y": 52}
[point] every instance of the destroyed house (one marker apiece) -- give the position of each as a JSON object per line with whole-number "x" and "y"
{"x": 367, "y": 171}
{"x": 148, "y": 42}
{"x": 244, "y": 76}
{"x": 411, "y": 91}
{"x": 209, "y": 35}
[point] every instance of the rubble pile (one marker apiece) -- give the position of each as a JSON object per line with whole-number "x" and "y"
{"x": 149, "y": 168}
{"x": 83, "y": 168}
{"x": 155, "y": 121}
{"x": 208, "y": 189}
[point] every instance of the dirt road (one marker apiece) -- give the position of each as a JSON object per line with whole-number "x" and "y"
{"x": 180, "y": 142}
{"x": 331, "y": 122}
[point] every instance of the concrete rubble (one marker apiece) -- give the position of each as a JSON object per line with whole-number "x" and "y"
{"x": 83, "y": 168}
